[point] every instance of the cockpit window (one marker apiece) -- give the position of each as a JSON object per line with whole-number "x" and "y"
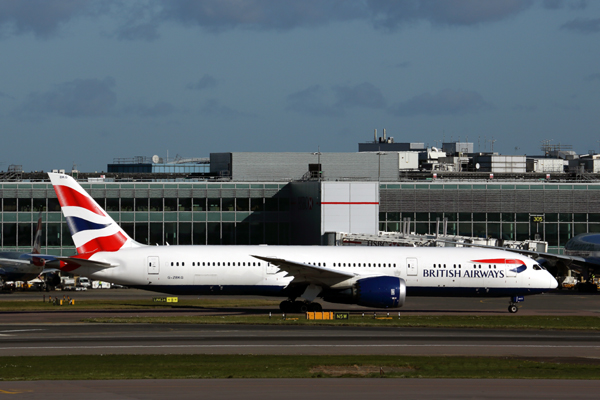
{"x": 537, "y": 267}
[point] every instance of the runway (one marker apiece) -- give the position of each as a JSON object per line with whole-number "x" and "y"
{"x": 60, "y": 333}
{"x": 59, "y": 339}
{"x": 300, "y": 389}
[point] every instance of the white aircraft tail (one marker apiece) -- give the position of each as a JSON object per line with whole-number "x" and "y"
{"x": 91, "y": 227}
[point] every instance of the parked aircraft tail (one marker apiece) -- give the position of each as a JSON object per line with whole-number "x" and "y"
{"x": 37, "y": 240}
{"x": 91, "y": 227}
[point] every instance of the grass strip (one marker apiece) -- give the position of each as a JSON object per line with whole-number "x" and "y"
{"x": 483, "y": 322}
{"x": 76, "y": 367}
{"x": 146, "y": 304}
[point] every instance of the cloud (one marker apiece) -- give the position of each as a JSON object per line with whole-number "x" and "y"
{"x": 312, "y": 101}
{"x": 446, "y": 102}
{"x": 524, "y": 108}
{"x": 138, "y": 31}
{"x": 391, "y": 15}
{"x": 40, "y": 17}
{"x": 206, "y": 82}
{"x": 213, "y": 108}
{"x": 567, "y": 107}
{"x": 141, "y": 19}
{"x": 259, "y": 14}
{"x": 560, "y": 4}
{"x": 138, "y": 20}
{"x": 583, "y": 25}
{"x": 593, "y": 77}
{"x": 319, "y": 102}
{"x": 362, "y": 95}
{"x": 160, "y": 109}
{"x": 78, "y": 98}
{"x": 6, "y": 96}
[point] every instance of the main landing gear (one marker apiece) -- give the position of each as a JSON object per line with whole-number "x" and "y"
{"x": 290, "y": 306}
{"x": 512, "y": 307}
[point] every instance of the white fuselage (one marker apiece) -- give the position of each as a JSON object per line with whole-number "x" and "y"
{"x": 234, "y": 270}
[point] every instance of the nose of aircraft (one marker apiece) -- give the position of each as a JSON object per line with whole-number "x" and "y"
{"x": 553, "y": 282}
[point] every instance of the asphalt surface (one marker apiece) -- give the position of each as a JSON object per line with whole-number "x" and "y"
{"x": 60, "y": 339}
{"x": 60, "y": 332}
{"x": 302, "y": 389}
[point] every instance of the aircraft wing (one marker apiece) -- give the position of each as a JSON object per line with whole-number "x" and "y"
{"x": 13, "y": 262}
{"x": 306, "y": 273}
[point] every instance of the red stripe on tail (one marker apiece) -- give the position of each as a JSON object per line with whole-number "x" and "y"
{"x": 106, "y": 243}
{"x": 68, "y": 197}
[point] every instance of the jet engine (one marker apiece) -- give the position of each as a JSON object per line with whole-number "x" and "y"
{"x": 376, "y": 292}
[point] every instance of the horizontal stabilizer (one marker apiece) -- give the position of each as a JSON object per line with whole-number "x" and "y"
{"x": 68, "y": 264}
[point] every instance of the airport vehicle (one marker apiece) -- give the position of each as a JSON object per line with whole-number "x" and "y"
{"x": 84, "y": 282}
{"x": 16, "y": 266}
{"x": 372, "y": 277}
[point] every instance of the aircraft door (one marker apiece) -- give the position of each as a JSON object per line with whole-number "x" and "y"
{"x": 412, "y": 267}
{"x": 153, "y": 265}
{"x": 272, "y": 269}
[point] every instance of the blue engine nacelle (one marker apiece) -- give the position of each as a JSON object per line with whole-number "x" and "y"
{"x": 376, "y": 292}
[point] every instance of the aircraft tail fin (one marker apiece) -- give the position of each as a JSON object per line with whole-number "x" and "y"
{"x": 91, "y": 227}
{"x": 37, "y": 241}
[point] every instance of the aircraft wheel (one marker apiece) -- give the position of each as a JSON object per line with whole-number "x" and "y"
{"x": 513, "y": 308}
{"x": 316, "y": 307}
{"x": 286, "y": 306}
{"x": 300, "y": 307}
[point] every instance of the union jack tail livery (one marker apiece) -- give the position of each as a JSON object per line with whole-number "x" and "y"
{"x": 92, "y": 229}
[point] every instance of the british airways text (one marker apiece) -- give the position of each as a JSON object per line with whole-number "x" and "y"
{"x": 453, "y": 273}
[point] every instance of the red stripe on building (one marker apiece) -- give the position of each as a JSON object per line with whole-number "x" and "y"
{"x": 68, "y": 197}
{"x": 350, "y": 202}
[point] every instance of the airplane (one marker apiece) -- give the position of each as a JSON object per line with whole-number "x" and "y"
{"x": 16, "y": 266}
{"x": 581, "y": 254}
{"x": 367, "y": 276}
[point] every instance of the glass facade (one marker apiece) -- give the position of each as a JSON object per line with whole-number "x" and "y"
{"x": 516, "y": 211}
{"x": 259, "y": 213}
{"x": 153, "y": 213}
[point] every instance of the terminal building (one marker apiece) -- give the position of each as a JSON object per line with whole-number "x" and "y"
{"x": 301, "y": 198}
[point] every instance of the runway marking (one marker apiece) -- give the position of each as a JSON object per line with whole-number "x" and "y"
{"x": 298, "y": 345}
{"x": 15, "y": 392}
{"x": 3, "y": 333}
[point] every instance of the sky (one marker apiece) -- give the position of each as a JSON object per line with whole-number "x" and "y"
{"x": 86, "y": 81}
